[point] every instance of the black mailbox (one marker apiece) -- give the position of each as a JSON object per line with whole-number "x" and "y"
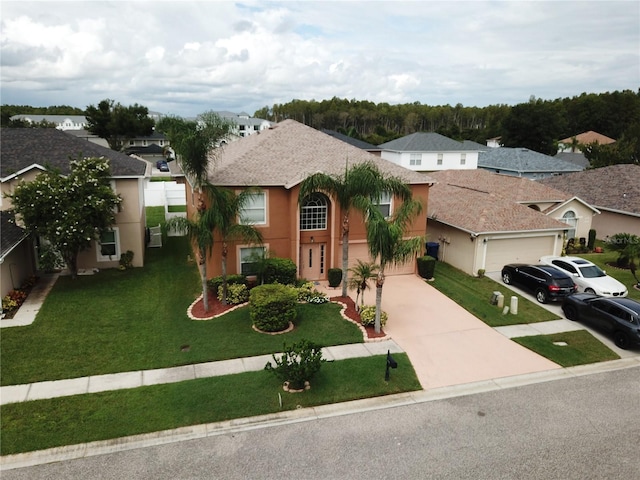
{"x": 391, "y": 363}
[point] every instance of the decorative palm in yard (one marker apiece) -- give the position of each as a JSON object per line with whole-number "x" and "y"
{"x": 385, "y": 238}
{"x": 360, "y": 185}
{"x": 361, "y": 273}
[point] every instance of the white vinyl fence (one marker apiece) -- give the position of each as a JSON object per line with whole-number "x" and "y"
{"x": 165, "y": 194}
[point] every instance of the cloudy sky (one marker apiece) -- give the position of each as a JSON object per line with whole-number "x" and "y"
{"x": 183, "y": 57}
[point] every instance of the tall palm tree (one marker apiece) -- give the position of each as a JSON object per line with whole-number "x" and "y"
{"x": 355, "y": 189}
{"x": 200, "y": 231}
{"x": 385, "y": 238}
{"x": 226, "y": 207}
{"x": 361, "y": 273}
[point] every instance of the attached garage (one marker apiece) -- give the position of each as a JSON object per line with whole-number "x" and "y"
{"x": 517, "y": 250}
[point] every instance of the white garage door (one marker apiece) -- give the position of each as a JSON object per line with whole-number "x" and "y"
{"x": 517, "y": 250}
{"x": 360, "y": 251}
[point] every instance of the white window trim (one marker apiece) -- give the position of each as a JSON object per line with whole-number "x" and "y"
{"x": 439, "y": 159}
{"x": 463, "y": 159}
{"x": 107, "y": 258}
{"x": 415, "y": 159}
{"x": 239, "y": 249}
{"x": 389, "y": 202}
{"x": 265, "y": 210}
{"x": 326, "y": 215}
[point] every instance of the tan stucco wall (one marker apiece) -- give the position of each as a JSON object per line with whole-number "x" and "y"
{"x": 583, "y": 213}
{"x": 455, "y": 248}
{"x": 610, "y": 223}
{"x": 16, "y": 267}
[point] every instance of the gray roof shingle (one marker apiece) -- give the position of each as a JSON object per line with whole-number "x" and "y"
{"x": 25, "y": 147}
{"x": 288, "y": 152}
{"x": 523, "y": 160}
{"x": 426, "y": 142}
{"x": 12, "y": 234}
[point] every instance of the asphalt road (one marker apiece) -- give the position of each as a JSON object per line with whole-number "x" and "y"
{"x": 585, "y": 427}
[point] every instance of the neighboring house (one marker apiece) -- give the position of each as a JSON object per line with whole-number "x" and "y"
{"x": 26, "y": 152}
{"x": 354, "y": 141}
{"x": 426, "y": 152}
{"x": 244, "y": 125}
{"x": 88, "y": 136}
{"x": 575, "y": 143}
{"x": 522, "y": 162}
{"x": 614, "y": 190}
{"x": 495, "y": 142}
{"x": 576, "y": 158}
{"x": 17, "y": 262}
{"x": 483, "y": 220}
{"x": 63, "y": 122}
{"x": 310, "y": 234}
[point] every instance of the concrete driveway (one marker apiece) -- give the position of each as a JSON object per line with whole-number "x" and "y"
{"x": 555, "y": 307}
{"x": 446, "y": 344}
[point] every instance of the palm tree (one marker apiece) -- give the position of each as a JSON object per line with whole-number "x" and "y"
{"x": 385, "y": 238}
{"x": 361, "y": 273}
{"x": 356, "y": 188}
{"x": 226, "y": 207}
{"x": 200, "y": 231}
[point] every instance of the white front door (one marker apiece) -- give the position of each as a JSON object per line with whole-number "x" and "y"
{"x": 313, "y": 261}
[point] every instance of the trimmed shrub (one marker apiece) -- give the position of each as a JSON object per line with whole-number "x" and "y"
{"x": 215, "y": 282}
{"x": 280, "y": 270}
{"x": 335, "y": 277}
{"x": 298, "y": 364}
{"x": 237, "y": 293}
{"x": 368, "y": 316}
{"x": 272, "y": 307}
{"x": 426, "y": 266}
{"x": 592, "y": 239}
{"x": 481, "y": 272}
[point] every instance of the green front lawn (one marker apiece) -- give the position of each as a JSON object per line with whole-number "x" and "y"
{"x": 85, "y": 418}
{"x": 474, "y": 295}
{"x": 581, "y": 348}
{"x": 117, "y": 321}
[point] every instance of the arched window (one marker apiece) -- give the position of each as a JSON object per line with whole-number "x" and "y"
{"x": 313, "y": 213}
{"x": 570, "y": 219}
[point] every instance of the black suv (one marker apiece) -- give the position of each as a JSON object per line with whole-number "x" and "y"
{"x": 547, "y": 283}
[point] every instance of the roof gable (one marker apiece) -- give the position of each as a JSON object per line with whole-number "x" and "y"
{"x": 616, "y": 187}
{"x": 50, "y": 147}
{"x": 289, "y": 152}
{"x": 586, "y": 138}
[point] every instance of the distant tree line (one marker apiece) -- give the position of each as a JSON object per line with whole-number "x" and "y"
{"x": 537, "y": 124}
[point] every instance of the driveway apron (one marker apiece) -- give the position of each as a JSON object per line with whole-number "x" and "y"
{"x": 446, "y": 344}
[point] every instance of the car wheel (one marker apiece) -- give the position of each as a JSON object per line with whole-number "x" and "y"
{"x": 621, "y": 340}
{"x": 506, "y": 278}
{"x": 570, "y": 312}
{"x": 590, "y": 290}
{"x": 541, "y": 296}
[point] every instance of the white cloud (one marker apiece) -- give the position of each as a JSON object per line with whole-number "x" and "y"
{"x": 188, "y": 57}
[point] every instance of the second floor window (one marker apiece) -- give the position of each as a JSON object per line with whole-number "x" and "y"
{"x": 255, "y": 210}
{"x": 463, "y": 159}
{"x": 439, "y": 159}
{"x": 415, "y": 159}
{"x": 384, "y": 205}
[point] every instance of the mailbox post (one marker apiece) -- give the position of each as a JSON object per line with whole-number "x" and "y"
{"x": 391, "y": 363}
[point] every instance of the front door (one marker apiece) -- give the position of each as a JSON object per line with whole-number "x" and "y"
{"x": 313, "y": 261}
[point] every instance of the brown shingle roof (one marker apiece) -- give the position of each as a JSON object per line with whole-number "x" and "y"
{"x": 616, "y": 187}
{"x": 287, "y": 153}
{"x": 479, "y": 201}
{"x": 589, "y": 137}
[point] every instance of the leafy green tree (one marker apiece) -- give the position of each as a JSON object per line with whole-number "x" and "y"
{"x": 361, "y": 273}
{"x": 69, "y": 211}
{"x": 118, "y": 124}
{"x": 625, "y": 150}
{"x": 628, "y": 247}
{"x": 534, "y": 125}
{"x": 355, "y": 189}
{"x": 194, "y": 141}
{"x": 386, "y": 242}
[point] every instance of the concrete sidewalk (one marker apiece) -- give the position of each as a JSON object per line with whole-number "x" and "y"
{"x": 27, "y": 312}
{"x": 124, "y": 380}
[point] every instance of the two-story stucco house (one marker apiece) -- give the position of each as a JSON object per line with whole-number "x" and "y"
{"x": 276, "y": 161}
{"x": 427, "y": 152}
{"x": 26, "y": 152}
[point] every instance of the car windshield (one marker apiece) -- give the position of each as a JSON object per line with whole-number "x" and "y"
{"x": 592, "y": 271}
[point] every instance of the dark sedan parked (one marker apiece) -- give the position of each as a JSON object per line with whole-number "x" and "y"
{"x": 545, "y": 282}
{"x": 618, "y": 316}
